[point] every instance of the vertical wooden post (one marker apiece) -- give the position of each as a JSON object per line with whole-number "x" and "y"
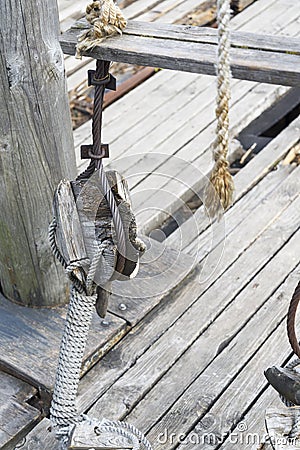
{"x": 36, "y": 149}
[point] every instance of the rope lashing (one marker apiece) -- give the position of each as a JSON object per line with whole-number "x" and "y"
{"x": 219, "y": 192}
{"x": 106, "y": 19}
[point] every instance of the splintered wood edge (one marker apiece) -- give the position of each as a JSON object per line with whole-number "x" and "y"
{"x": 69, "y": 234}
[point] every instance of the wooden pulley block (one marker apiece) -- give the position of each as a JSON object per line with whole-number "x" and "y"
{"x": 85, "y": 228}
{"x": 97, "y": 222}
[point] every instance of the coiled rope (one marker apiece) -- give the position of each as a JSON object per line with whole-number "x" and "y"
{"x": 219, "y": 192}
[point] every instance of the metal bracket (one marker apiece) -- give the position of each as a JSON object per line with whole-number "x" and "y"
{"x": 109, "y": 81}
{"x": 87, "y": 152}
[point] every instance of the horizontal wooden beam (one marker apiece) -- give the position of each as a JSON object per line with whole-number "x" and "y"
{"x": 263, "y": 58}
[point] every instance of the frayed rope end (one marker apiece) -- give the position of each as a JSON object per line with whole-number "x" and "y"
{"x": 219, "y": 192}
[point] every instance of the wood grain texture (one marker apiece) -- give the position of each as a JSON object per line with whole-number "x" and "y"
{"x": 161, "y": 270}
{"x": 191, "y": 406}
{"x": 35, "y": 149}
{"x": 245, "y": 180}
{"x": 196, "y": 51}
{"x": 221, "y": 421}
{"x": 30, "y": 341}
{"x": 69, "y": 236}
{"x": 17, "y": 417}
{"x": 171, "y": 347}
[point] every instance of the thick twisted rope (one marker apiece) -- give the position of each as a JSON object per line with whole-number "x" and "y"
{"x": 63, "y": 409}
{"x": 106, "y": 19}
{"x": 219, "y": 192}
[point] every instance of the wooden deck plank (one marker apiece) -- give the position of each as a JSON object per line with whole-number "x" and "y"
{"x": 125, "y": 355}
{"x": 182, "y": 179}
{"x": 268, "y": 209}
{"x": 219, "y": 424}
{"x": 248, "y": 176}
{"x": 179, "y": 337}
{"x": 181, "y": 93}
{"x": 130, "y": 99}
{"x": 179, "y": 13}
{"x": 40, "y": 432}
{"x": 161, "y": 270}
{"x": 255, "y": 420}
{"x": 220, "y": 373}
{"x": 247, "y": 64}
{"x": 186, "y": 152}
{"x": 204, "y": 35}
{"x": 171, "y": 169}
{"x": 30, "y": 340}
{"x": 16, "y": 416}
{"x": 194, "y": 132}
{"x": 265, "y": 246}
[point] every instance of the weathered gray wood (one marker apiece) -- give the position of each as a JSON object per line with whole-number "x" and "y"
{"x": 279, "y": 424}
{"x": 108, "y": 366}
{"x": 35, "y": 147}
{"x": 249, "y": 60}
{"x": 161, "y": 270}
{"x": 224, "y": 421}
{"x": 69, "y": 235}
{"x": 84, "y": 437}
{"x": 178, "y": 339}
{"x": 17, "y": 417}
{"x": 197, "y": 152}
{"x": 30, "y": 341}
{"x": 201, "y": 394}
{"x": 247, "y": 177}
{"x": 255, "y": 420}
{"x": 218, "y": 296}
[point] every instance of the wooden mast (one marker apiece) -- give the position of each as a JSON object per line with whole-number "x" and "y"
{"x": 36, "y": 149}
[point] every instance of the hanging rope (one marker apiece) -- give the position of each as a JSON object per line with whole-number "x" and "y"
{"x": 219, "y": 192}
{"x": 106, "y": 19}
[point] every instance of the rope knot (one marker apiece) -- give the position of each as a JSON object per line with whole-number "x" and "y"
{"x": 106, "y": 19}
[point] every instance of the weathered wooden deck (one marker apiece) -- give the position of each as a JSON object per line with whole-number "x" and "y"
{"x": 184, "y": 361}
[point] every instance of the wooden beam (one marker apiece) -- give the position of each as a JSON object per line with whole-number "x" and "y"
{"x": 36, "y": 149}
{"x": 263, "y": 58}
